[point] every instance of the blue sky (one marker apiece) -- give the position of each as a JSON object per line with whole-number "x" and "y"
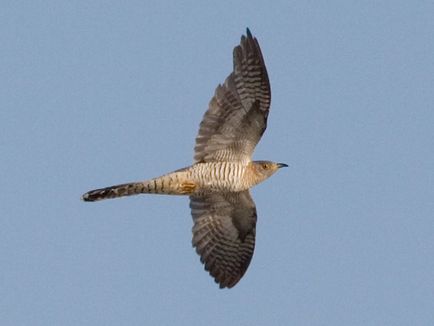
{"x": 99, "y": 93}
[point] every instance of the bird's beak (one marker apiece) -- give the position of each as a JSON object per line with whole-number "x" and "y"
{"x": 282, "y": 165}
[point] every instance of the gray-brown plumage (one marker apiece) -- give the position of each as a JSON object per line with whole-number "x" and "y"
{"x": 218, "y": 182}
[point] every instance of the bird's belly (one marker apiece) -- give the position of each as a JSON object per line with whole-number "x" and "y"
{"x": 222, "y": 186}
{"x": 220, "y": 177}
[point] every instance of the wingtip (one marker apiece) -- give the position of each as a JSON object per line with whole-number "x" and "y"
{"x": 249, "y": 34}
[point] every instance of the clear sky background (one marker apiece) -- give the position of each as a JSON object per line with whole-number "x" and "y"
{"x": 95, "y": 93}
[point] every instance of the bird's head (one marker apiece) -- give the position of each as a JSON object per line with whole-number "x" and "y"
{"x": 266, "y": 169}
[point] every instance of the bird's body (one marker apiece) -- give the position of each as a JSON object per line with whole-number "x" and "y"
{"x": 200, "y": 178}
{"x": 218, "y": 183}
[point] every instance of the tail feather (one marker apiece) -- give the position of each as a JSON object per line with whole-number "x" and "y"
{"x": 175, "y": 183}
{"x": 126, "y": 189}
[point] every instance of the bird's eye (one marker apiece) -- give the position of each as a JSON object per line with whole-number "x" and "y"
{"x": 265, "y": 166}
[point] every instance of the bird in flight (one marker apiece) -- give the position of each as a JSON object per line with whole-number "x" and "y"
{"x": 218, "y": 182}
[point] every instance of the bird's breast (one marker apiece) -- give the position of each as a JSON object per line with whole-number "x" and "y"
{"x": 220, "y": 176}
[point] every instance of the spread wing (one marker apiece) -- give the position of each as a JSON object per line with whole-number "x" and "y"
{"x": 224, "y": 234}
{"x": 237, "y": 114}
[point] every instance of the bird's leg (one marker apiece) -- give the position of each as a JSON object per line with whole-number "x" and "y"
{"x": 187, "y": 187}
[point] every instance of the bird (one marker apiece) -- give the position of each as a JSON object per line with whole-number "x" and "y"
{"x": 218, "y": 182}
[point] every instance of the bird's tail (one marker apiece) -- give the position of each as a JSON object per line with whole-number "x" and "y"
{"x": 126, "y": 189}
{"x": 175, "y": 183}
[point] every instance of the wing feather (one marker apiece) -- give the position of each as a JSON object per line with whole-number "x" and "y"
{"x": 237, "y": 114}
{"x": 224, "y": 234}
